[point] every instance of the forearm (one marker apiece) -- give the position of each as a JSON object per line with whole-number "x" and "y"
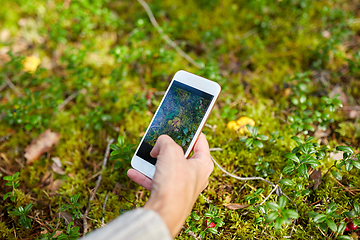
{"x": 133, "y": 225}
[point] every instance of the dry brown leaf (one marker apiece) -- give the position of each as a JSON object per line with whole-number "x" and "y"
{"x": 57, "y": 169}
{"x": 56, "y": 166}
{"x": 316, "y": 176}
{"x": 55, "y": 185}
{"x": 336, "y": 156}
{"x": 41, "y": 145}
{"x": 66, "y": 216}
{"x": 235, "y": 206}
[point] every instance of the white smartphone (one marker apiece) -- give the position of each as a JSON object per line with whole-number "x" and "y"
{"x": 182, "y": 114}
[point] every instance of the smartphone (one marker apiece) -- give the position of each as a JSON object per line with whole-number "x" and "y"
{"x": 182, "y": 114}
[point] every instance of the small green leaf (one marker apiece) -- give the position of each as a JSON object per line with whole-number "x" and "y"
{"x": 273, "y": 206}
{"x": 271, "y": 217}
{"x": 258, "y": 143}
{"x": 249, "y": 142}
{"x": 309, "y": 139}
{"x": 288, "y": 169}
{"x": 297, "y": 139}
{"x": 263, "y": 137}
{"x": 357, "y": 208}
{"x": 195, "y": 216}
{"x": 287, "y": 182}
{"x": 320, "y": 218}
{"x": 348, "y": 166}
{"x": 282, "y": 201}
{"x": 302, "y": 98}
{"x": 292, "y": 214}
{"x": 278, "y": 223}
{"x": 331, "y": 208}
{"x": 212, "y": 230}
{"x": 293, "y": 157}
{"x": 27, "y": 208}
{"x": 356, "y": 164}
{"x": 341, "y": 227}
{"x": 121, "y": 140}
{"x": 345, "y": 149}
{"x": 331, "y": 224}
{"x": 8, "y": 178}
{"x": 344, "y": 237}
{"x": 295, "y": 101}
{"x": 7, "y": 195}
{"x": 303, "y": 171}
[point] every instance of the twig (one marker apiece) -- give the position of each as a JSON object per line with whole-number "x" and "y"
{"x": 103, "y": 216}
{"x": 165, "y": 37}
{"x": 93, "y": 193}
{"x": 215, "y": 149}
{"x": 267, "y": 197}
{"x": 2, "y": 87}
{"x": 191, "y": 233}
{"x": 5, "y": 171}
{"x": 241, "y": 178}
{"x": 4, "y": 137}
{"x": 344, "y": 187}
{"x": 69, "y": 98}
{"x": 12, "y": 86}
{"x": 262, "y": 179}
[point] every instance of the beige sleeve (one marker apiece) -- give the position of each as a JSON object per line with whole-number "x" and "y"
{"x": 136, "y": 224}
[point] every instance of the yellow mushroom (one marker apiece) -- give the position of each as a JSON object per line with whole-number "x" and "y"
{"x": 232, "y": 125}
{"x": 242, "y": 122}
{"x": 31, "y": 63}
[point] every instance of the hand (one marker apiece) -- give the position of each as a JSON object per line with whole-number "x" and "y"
{"x": 177, "y": 181}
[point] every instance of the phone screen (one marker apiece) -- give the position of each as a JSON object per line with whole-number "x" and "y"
{"x": 179, "y": 116}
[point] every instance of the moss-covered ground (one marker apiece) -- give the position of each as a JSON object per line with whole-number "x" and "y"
{"x": 103, "y": 69}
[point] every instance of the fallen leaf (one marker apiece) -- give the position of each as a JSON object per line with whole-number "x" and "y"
{"x": 58, "y": 233}
{"x": 235, "y": 206}
{"x": 352, "y": 112}
{"x": 316, "y": 176}
{"x": 56, "y": 166}
{"x": 66, "y": 216}
{"x": 31, "y": 63}
{"x": 321, "y": 134}
{"x": 55, "y": 185}
{"x": 41, "y": 145}
{"x": 336, "y": 156}
{"x": 57, "y": 169}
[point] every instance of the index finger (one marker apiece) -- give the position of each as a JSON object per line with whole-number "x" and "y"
{"x": 201, "y": 148}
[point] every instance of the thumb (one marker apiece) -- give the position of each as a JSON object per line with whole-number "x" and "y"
{"x": 164, "y": 144}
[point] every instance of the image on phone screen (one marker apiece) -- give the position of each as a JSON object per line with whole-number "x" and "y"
{"x": 179, "y": 116}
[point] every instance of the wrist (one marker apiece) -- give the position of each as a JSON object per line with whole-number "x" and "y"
{"x": 172, "y": 212}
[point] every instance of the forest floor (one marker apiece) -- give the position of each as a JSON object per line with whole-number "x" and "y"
{"x": 80, "y": 81}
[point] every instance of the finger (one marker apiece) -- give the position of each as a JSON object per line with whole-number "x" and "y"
{"x": 201, "y": 148}
{"x": 139, "y": 178}
{"x": 165, "y": 144}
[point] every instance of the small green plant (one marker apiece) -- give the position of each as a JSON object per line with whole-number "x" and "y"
{"x": 263, "y": 167}
{"x": 73, "y": 208}
{"x": 306, "y": 113}
{"x": 326, "y": 220}
{"x": 14, "y": 183}
{"x": 22, "y": 212}
{"x": 349, "y": 160}
{"x": 72, "y": 233}
{"x": 255, "y": 139}
{"x": 121, "y": 151}
{"x": 254, "y": 197}
{"x": 353, "y": 218}
{"x": 306, "y": 153}
{"x": 213, "y": 222}
{"x": 279, "y": 213}
{"x": 275, "y": 137}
